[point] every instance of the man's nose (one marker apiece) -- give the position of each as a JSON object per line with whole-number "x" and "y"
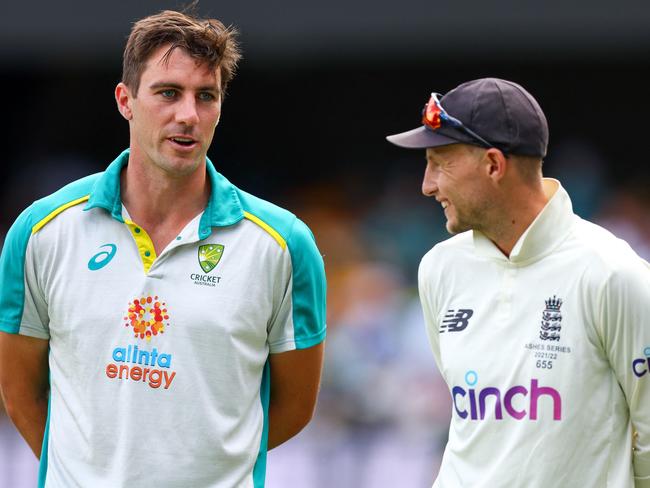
{"x": 186, "y": 111}
{"x": 429, "y": 182}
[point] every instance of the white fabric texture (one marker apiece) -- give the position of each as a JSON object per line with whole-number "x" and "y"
{"x": 545, "y": 355}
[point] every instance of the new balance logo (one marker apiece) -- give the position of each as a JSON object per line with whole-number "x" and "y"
{"x": 456, "y": 320}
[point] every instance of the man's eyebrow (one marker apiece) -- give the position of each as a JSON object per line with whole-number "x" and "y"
{"x": 165, "y": 84}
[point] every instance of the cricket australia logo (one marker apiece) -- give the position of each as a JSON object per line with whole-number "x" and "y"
{"x": 456, "y": 320}
{"x": 209, "y": 256}
{"x": 551, "y": 320}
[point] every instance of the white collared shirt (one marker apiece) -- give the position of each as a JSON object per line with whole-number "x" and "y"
{"x": 545, "y": 354}
{"x": 159, "y": 368}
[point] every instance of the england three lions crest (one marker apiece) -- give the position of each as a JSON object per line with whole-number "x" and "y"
{"x": 551, "y": 320}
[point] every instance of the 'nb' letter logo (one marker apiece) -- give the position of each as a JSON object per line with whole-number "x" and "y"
{"x": 102, "y": 258}
{"x": 455, "y": 321}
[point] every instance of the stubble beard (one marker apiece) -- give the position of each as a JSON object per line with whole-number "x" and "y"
{"x": 177, "y": 166}
{"x": 475, "y": 218}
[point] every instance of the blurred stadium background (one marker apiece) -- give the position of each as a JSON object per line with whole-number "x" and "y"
{"x": 320, "y": 86}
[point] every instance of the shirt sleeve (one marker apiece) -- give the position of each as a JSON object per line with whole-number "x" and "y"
{"x": 625, "y": 324}
{"x": 300, "y": 320}
{"x": 429, "y": 305}
{"x": 23, "y": 309}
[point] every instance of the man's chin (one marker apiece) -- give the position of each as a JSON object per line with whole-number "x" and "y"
{"x": 179, "y": 166}
{"x": 456, "y": 228}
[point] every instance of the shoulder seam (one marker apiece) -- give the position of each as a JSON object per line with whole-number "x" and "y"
{"x": 270, "y": 230}
{"x": 49, "y": 217}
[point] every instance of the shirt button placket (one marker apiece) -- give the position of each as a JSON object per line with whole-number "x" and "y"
{"x": 507, "y": 292}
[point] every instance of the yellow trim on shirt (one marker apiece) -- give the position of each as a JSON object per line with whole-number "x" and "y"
{"x": 267, "y": 228}
{"x": 144, "y": 243}
{"x": 41, "y": 223}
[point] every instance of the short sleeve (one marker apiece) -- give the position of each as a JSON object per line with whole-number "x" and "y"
{"x": 300, "y": 322}
{"x": 23, "y": 309}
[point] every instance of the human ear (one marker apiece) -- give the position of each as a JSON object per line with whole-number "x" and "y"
{"x": 123, "y": 100}
{"x": 496, "y": 164}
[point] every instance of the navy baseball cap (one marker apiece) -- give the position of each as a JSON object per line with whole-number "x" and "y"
{"x": 489, "y": 112}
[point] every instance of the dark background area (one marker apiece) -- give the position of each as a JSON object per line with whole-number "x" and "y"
{"x": 321, "y": 85}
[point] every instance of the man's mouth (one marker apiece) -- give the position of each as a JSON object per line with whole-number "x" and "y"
{"x": 183, "y": 141}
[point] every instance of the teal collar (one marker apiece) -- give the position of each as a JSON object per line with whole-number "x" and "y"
{"x": 223, "y": 208}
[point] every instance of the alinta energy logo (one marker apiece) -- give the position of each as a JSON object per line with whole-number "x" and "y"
{"x": 209, "y": 256}
{"x": 519, "y": 402}
{"x": 148, "y": 316}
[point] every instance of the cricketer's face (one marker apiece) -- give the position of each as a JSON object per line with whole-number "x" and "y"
{"x": 174, "y": 114}
{"x": 454, "y": 178}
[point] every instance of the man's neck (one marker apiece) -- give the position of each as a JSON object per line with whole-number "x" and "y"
{"x": 161, "y": 204}
{"x": 521, "y": 208}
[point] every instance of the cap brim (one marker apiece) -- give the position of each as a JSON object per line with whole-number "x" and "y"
{"x": 420, "y": 138}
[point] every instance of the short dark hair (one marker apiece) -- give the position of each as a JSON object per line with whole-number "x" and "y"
{"x": 207, "y": 40}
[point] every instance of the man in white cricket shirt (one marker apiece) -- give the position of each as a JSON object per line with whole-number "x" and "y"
{"x": 538, "y": 320}
{"x": 158, "y": 325}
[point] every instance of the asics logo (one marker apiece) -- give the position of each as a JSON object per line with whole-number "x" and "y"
{"x": 102, "y": 258}
{"x": 455, "y": 321}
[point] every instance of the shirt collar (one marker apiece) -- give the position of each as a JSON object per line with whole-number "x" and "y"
{"x": 223, "y": 208}
{"x": 545, "y": 233}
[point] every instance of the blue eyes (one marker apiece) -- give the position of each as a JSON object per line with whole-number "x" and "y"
{"x": 203, "y": 96}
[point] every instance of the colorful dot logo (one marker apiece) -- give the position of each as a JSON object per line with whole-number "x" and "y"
{"x": 148, "y": 316}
